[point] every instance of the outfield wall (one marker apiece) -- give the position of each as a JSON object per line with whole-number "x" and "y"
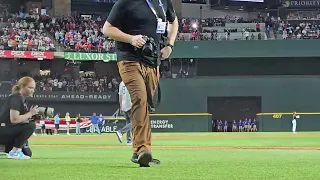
{"x": 278, "y": 94}
{"x": 281, "y": 121}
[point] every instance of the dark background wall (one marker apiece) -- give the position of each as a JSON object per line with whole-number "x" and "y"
{"x": 278, "y": 94}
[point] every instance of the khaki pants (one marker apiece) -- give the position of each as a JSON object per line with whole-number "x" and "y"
{"x": 136, "y": 77}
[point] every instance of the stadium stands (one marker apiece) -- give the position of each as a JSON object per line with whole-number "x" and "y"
{"x": 83, "y": 34}
{"x": 86, "y": 83}
{"x": 80, "y": 34}
{"x": 25, "y": 33}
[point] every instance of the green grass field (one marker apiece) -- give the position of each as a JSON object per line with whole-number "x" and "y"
{"x": 247, "y": 156}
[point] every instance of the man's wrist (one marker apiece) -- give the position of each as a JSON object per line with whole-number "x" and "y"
{"x": 170, "y": 45}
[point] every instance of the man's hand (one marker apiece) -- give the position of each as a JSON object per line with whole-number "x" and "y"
{"x": 137, "y": 41}
{"x": 165, "y": 52}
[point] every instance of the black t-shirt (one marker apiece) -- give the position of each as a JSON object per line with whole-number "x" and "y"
{"x": 14, "y": 102}
{"x": 135, "y": 17}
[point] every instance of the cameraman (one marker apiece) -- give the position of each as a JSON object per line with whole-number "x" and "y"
{"x": 139, "y": 28}
{"x": 15, "y": 127}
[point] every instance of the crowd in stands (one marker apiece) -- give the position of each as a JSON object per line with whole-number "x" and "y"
{"x": 303, "y": 15}
{"x": 25, "y": 32}
{"x": 85, "y": 83}
{"x": 83, "y": 33}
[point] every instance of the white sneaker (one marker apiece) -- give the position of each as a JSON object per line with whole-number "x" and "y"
{"x": 34, "y": 134}
{"x": 17, "y": 155}
{"x": 68, "y": 134}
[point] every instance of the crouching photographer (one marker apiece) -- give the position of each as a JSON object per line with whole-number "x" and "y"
{"x": 138, "y": 27}
{"x": 17, "y": 120}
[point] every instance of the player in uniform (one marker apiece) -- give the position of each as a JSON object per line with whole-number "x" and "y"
{"x": 225, "y": 126}
{"x": 125, "y": 107}
{"x": 220, "y": 126}
{"x": 249, "y": 125}
{"x": 245, "y": 123}
{"x": 234, "y": 126}
{"x": 294, "y": 122}
{"x": 254, "y": 126}
{"x": 240, "y": 126}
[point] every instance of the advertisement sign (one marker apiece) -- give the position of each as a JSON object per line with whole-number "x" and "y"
{"x": 26, "y": 54}
{"x": 71, "y": 96}
{"x": 301, "y": 3}
{"x": 90, "y": 56}
{"x": 110, "y": 126}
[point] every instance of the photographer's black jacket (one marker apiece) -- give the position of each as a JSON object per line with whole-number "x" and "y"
{"x": 14, "y": 102}
{"x": 135, "y": 17}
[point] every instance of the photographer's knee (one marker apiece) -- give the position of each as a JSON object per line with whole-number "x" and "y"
{"x": 32, "y": 126}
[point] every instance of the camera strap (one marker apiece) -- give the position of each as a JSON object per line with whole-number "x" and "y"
{"x": 155, "y": 12}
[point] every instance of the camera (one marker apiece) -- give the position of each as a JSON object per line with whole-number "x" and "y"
{"x": 44, "y": 112}
{"x": 149, "y": 52}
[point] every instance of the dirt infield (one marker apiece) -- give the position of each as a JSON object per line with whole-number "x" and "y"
{"x": 181, "y": 147}
{"x": 88, "y": 137}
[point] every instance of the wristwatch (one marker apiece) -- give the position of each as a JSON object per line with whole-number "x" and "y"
{"x": 170, "y": 45}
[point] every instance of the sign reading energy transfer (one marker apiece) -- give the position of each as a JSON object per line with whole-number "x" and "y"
{"x": 90, "y": 56}
{"x": 161, "y": 124}
{"x": 71, "y": 96}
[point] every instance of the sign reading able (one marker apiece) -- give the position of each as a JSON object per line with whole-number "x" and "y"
{"x": 90, "y": 56}
{"x": 112, "y": 126}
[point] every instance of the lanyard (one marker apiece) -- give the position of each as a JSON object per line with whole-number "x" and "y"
{"x": 154, "y": 11}
{"x": 26, "y": 106}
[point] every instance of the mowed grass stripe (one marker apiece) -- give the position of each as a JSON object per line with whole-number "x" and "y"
{"x": 246, "y": 140}
{"x": 202, "y": 164}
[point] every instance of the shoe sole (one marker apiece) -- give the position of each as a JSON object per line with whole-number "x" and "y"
{"x": 155, "y": 161}
{"x": 18, "y": 158}
{"x": 144, "y": 158}
{"x": 134, "y": 160}
{"x": 119, "y": 138}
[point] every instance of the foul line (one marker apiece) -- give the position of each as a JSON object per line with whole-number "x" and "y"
{"x": 182, "y": 147}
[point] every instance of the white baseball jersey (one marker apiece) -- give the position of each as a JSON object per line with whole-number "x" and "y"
{"x": 125, "y": 96}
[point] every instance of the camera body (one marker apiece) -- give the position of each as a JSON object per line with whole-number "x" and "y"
{"x": 150, "y": 48}
{"x": 149, "y": 52}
